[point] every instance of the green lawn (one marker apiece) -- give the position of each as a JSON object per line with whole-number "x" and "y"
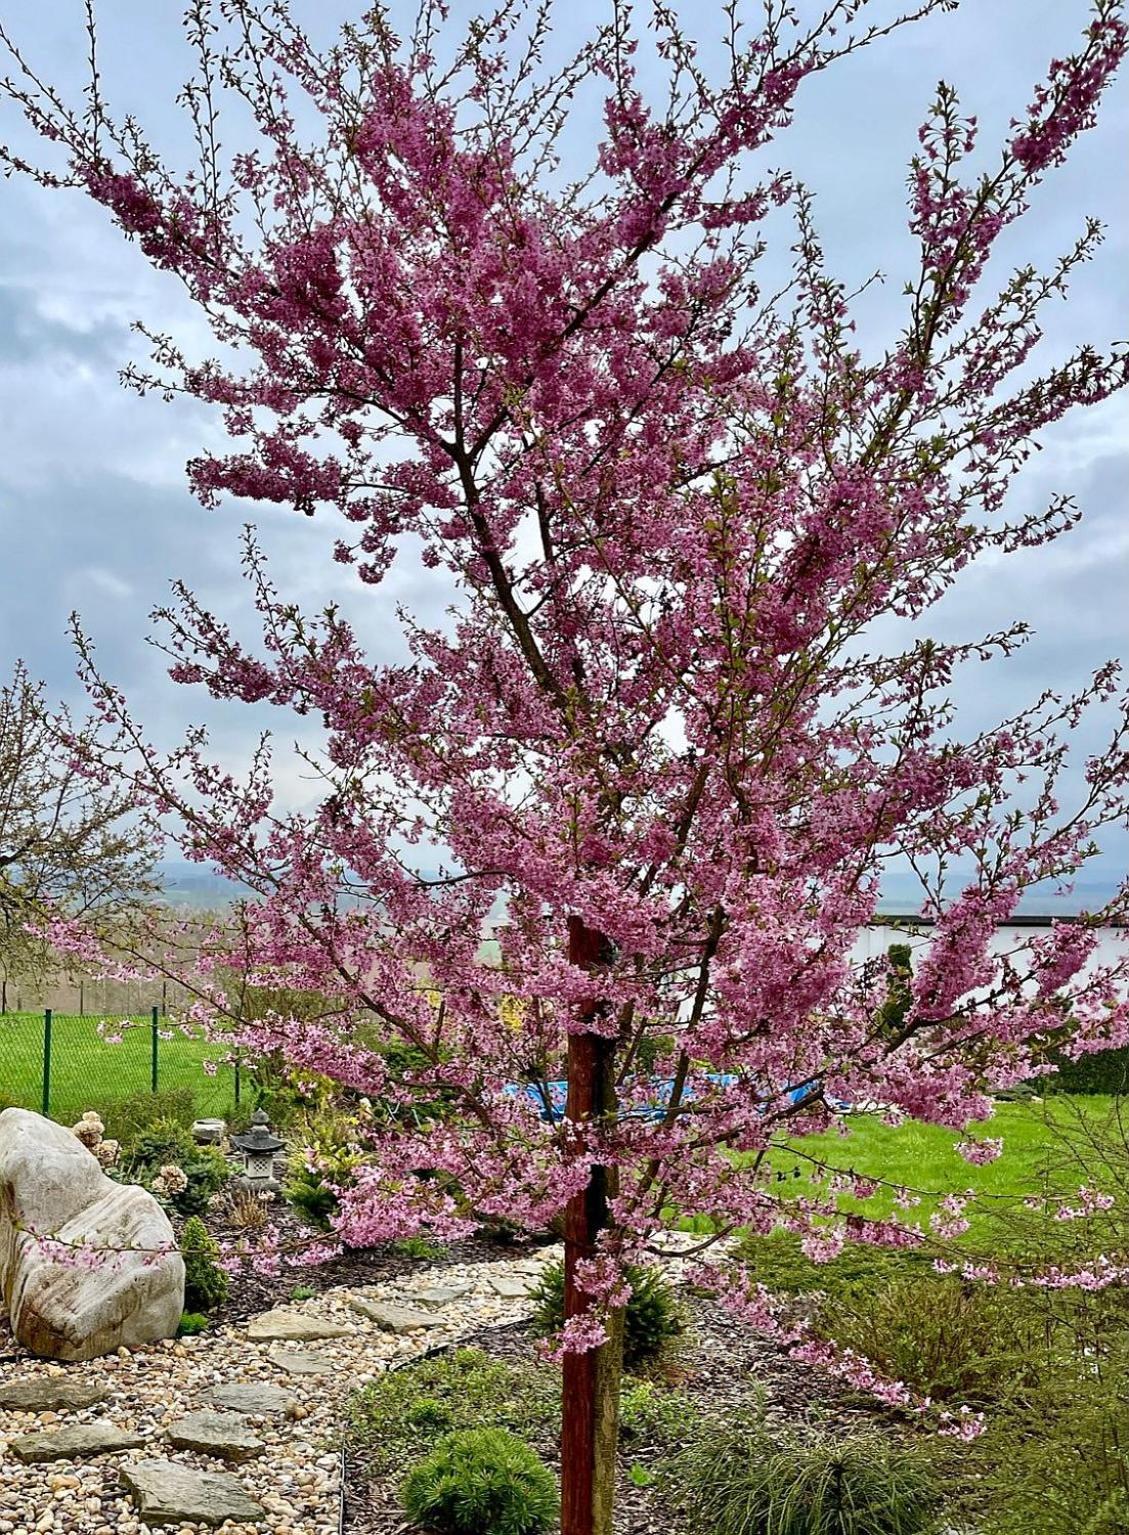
{"x": 922, "y": 1157}
{"x": 89, "y": 1072}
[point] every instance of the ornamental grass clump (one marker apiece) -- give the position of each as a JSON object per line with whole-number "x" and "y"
{"x": 749, "y": 1481}
{"x": 483, "y": 1481}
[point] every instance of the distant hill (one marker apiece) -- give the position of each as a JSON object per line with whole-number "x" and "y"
{"x": 198, "y": 887}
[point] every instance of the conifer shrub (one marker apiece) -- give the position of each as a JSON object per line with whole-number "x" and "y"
{"x": 483, "y": 1481}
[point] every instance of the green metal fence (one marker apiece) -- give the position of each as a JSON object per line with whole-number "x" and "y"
{"x": 64, "y": 1063}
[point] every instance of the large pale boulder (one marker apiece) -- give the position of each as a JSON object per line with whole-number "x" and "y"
{"x": 117, "y": 1281}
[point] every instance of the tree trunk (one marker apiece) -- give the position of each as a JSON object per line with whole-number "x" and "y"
{"x": 590, "y": 1406}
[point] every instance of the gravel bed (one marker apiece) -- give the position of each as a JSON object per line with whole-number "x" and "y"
{"x": 296, "y": 1476}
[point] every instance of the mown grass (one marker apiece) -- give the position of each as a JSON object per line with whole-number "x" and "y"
{"x": 923, "y": 1159}
{"x": 90, "y": 1072}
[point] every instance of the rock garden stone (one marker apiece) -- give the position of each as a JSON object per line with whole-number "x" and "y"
{"x": 208, "y": 1132}
{"x": 52, "y": 1185}
{"x": 260, "y": 1399}
{"x": 49, "y": 1393}
{"x": 294, "y": 1327}
{"x": 74, "y": 1443}
{"x": 509, "y": 1287}
{"x": 300, "y": 1361}
{"x": 166, "y": 1493}
{"x": 393, "y": 1318}
{"x": 441, "y": 1295}
{"x": 222, "y": 1434}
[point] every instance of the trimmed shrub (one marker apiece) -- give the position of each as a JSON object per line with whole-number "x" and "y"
{"x": 168, "y": 1144}
{"x": 947, "y": 1339}
{"x": 1104, "y": 1071}
{"x": 483, "y": 1481}
{"x": 653, "y": 1321}
{"x": 205, "y": 1283}
{"x": 746, "y": 1481}
{"x": 127, "y": 1118}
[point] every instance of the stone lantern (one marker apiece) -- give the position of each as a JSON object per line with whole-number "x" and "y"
{"x": 259, "y": 1149}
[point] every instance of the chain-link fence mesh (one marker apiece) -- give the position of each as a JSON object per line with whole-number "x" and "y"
{"x": 62, "y": 1064}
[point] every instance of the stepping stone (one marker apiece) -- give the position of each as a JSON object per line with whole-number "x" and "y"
{"x": 222, "y": 1434}
{"x": 261, "y": 1400}
{"x": 294, "y": 1327}
{"x": 166, "y": 1493}
{"x": 300, "y": 1361}
{"x": 73, "y": 1443}
{"x": 50, "y": 1393}
{"x": 394, "y": 1318}
{"x": 440, "y": 1295}
{"x": 509, "y": 1287}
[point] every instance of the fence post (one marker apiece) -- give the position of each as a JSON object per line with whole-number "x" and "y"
{"x": 46, "y": 1062}
{"x": 156, "y": 1037}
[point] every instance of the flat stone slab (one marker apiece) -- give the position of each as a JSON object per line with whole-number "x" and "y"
{"x": 440, "y": 1295}
{"x": 166, "y": 1493}
{"x": 300, "y": 1361}
{"x": 74, "y": 1443}
{"x": 294, "y": 1327}
{"x": 49, "y": 1393}
{"x": 222, "y": 1434}
{"x": 394, "y": 1318}
{"x": 261, "y": 1400}
{"x": 509, "y": 1286}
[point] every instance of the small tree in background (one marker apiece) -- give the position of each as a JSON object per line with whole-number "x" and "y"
{"x": 669, "y": 510}
{"x": 67, "y": 840}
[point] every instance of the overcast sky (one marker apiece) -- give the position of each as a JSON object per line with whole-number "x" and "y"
{"x": 94, "y": 513}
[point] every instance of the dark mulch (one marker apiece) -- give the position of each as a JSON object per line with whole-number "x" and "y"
{"x": 252, "y": 1292}
{"x": 722, "y": 1366}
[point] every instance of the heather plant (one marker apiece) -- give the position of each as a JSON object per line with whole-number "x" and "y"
{"x": 688, "y": 705}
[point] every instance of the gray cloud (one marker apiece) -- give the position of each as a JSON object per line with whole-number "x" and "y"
{"x": 93, "y": 509}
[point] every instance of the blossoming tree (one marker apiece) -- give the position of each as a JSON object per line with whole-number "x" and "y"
{"x": 670, "y": 509}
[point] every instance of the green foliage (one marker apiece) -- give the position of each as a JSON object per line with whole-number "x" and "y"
{"x": 302, "y": 1292}
{"x": 1057, "y": 1460}
{"x": 1105, "y": 1071}
{"x": 418, "y": 1247}
{"x": 482, "y": 1481}
{"x": 127, "y": 1118}
{"x": 947, "y": 1339}
{"x": 747, "y": 1481}
{"x": 399, "y": 1417}
{"x": 307, "y": 1189}
{"x": 778, "y": 1263}
{"x": 167, "y": 1143}
{"x": 652, "y": 1413}
{"x": 333, "y": 1137}
{"x": 191, "y": 1323}
{"x": 899, "y": 978}
{"x": 205, "y": 1283}
{"x": 653, "y": 1321}
{"x": 1113, "y": 1516}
